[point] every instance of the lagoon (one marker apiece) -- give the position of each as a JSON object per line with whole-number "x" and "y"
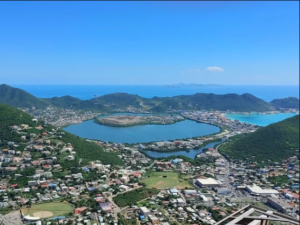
{"x": 190, "y": 154}
{"x": 141, "y": 133}
{"x": 260, "y": 119}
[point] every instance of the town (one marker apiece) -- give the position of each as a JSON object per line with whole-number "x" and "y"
{"x": 144, "y": 191}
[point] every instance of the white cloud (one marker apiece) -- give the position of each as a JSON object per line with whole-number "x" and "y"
{"x": 215, "y": 69}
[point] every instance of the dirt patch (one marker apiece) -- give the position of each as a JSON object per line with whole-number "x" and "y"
{"x": 43, "y": 214}
{"x": 159, "y": 183}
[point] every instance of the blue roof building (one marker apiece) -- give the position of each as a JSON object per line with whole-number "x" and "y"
{"x": 142, "y": 217}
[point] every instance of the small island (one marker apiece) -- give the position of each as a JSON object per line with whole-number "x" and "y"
{"x": 132, "y": 120}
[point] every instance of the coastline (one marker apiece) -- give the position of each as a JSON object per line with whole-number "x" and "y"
{"x": 217, "y": 135}
{"x": 184, "y": 149}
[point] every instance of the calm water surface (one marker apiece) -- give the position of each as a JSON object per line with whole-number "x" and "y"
{"x": 260, "y": 119}
{"x": 142, "y": 133}
{"x": 191, "y": 154}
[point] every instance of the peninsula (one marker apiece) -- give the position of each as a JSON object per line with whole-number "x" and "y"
{"x": 132, "y": 120}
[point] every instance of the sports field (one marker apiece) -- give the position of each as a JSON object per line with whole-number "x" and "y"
{"x": 48, "y": 209}
{"x": 165, "y": 180}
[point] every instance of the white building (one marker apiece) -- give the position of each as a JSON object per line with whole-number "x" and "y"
{"x": 145, "y": 211}
{"x": 207, "y": 182}
{"x": 256, "y": 190}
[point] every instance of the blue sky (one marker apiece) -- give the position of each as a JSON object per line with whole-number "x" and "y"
{"x": 149, "y": 42}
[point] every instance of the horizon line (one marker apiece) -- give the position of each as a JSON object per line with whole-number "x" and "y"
{"x": 156, "y": 84}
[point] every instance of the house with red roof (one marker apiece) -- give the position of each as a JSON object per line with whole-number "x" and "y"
{"x": 80, "y": 210}
{"x": 46, "y": 166}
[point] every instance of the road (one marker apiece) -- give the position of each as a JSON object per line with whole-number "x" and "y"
{"x": 148, "y": 167}
{"x": 225, "y": 178}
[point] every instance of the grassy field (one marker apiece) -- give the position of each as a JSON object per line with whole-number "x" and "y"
{"x": 165, "y": 180}
{"x": 56, "y": 208}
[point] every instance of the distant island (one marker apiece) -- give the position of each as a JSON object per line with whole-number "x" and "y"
{"x": 131, "y": 120}
{"x": 180, "y": 85}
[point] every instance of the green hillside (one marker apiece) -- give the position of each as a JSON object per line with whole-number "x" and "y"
{"x": 19, "y": 98}
{"x": 235, "y": 102}
{"x": 273, "y": 142}
{"x": 286, "y": 103}
{"x": 10, "y": 116}
{"x": 85, "y": 150}
{"x": 123, "y": 101}
{"x": 63, "y": 102}
{"x": 200, "y": 101}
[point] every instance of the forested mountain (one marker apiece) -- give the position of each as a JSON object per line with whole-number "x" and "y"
{"x": 123, "y": 101}
{"x": 63, "y": 102}
{"x": 274, "y": 142}
{"x": 85, "y": 150}
{"x": 201, "y": 101}
{"x": 19, "y": 98}
{"x": 286, "y": 103}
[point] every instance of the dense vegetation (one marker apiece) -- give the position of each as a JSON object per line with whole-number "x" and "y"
{"x": 63, "y": 102}
{"x": 10, "y": 116}
{"x": 122, "y": 101}
{"x": 286, "y": 103}
{"x": 18, "y": 98}
{"x": 274, "y": 142}
{"x": 132, "y": 197}
{"x": 201, "y": 101}
{"x": 279, "y": 180}
{"x": 89, "y": 151}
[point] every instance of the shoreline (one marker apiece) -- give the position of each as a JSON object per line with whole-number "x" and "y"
{"x": 216, "y": 135}
{"x": 184, "y": 149}
{"x": 150, "y": 113}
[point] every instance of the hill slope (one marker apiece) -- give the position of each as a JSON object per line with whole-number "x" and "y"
{"x": 235, "y": 102}
{"x": 275, "y": 142}
{"x": 123, "y": 102}
{"x": 63, "y": 102}
{"x": 87, "y": 151}
{"x": 286, "y": 103}
{"x": 10, "y": 116}
{"x": 19, "y": 98}
{"x": 199, "y": 101}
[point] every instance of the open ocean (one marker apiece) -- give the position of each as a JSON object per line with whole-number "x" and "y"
{"x": 267, "y": 93}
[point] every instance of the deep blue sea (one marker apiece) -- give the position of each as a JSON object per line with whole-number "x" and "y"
{"x": 266, "y": 93}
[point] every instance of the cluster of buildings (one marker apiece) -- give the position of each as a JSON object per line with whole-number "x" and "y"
{"x": 33, "y": 172}
{"x": 218, "y": 118}
{"x": 60, "y": 117}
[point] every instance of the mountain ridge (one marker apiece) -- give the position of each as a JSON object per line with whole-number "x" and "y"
{"x": 285, "y": 103}
{"x": 123, "y": 102}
